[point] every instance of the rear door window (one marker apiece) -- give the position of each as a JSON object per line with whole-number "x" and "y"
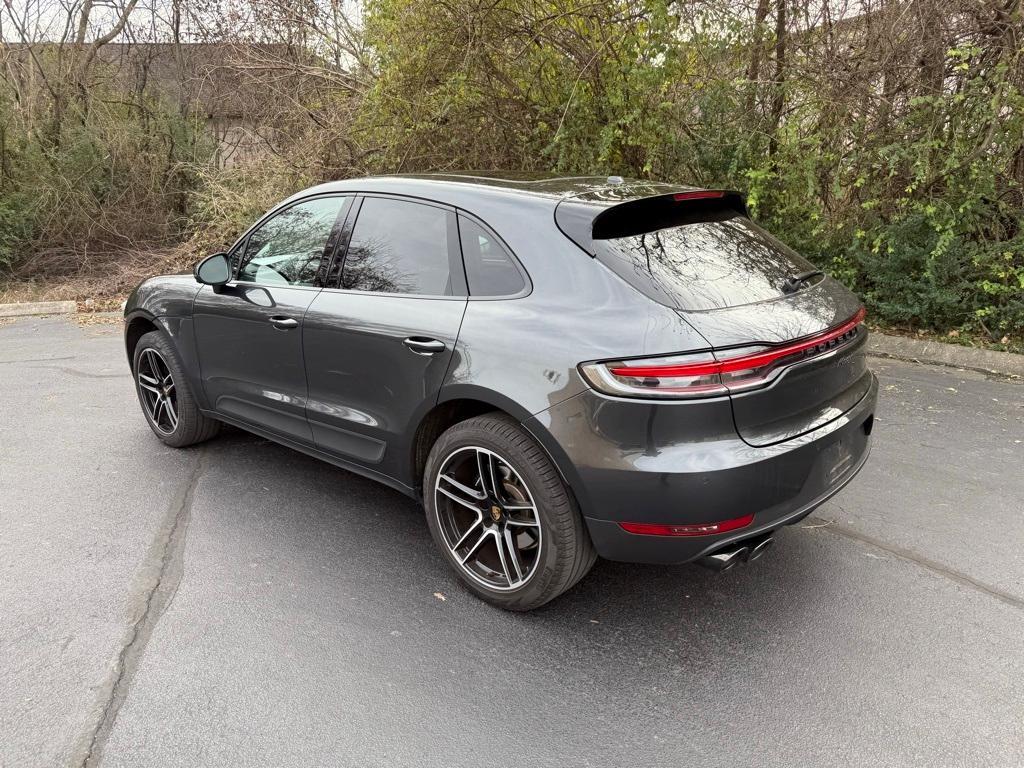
{"x": 704, "y": 265}
{"x": 399, "y": 246}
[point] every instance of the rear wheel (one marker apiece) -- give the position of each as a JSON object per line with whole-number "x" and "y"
{"x": 499, "y": 511}
{"x": 167, "y": 402}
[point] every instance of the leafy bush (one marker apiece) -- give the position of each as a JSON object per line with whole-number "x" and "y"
{"x": 907, "y": 187}
{"x": 96, "y": 183}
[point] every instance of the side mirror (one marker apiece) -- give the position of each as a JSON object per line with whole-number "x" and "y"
{"x": 213, "y": 270}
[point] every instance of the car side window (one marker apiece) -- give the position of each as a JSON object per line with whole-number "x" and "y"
{"x": 399, "y": 246}
{"x": 288, "y": 248}
{"x": 490, "y": 270}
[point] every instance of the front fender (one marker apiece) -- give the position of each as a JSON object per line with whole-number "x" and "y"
{"x": 166, "y": 303}
{"x": 163, "y": 296}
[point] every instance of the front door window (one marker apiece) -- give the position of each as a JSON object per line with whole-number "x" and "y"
{"x": 288, "y": 248}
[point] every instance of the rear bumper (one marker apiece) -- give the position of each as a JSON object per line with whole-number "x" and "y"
{"x": 624, "y": 473}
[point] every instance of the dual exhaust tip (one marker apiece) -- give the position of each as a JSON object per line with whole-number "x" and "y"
{"x": 743, "y": 552}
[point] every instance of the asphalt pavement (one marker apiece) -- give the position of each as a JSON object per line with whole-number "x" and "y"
{"x": 240, "y": 604}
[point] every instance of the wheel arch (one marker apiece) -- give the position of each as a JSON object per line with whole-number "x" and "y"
{"x": 461, "y": 402}
{"x": 178, "y": 331}
{"x": 455, "y": 403}
{"x": 444, "y": 415}
{"x": 135, "y": 328}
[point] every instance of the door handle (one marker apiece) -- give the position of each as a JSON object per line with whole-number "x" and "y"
{"x": 284, "y": 323}
{"x": 423, "y": 346}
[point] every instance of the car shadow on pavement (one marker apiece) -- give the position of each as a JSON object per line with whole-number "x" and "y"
{"x": 683, "y": 611}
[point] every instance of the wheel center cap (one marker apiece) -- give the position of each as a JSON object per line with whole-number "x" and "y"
{"x": 495, "y": 513}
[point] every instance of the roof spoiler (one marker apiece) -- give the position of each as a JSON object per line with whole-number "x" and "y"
{"x": 583, "y": 223}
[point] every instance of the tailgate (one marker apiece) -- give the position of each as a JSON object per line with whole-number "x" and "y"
{"x": 822, "y": 380}
{"x": 788, "y": 339}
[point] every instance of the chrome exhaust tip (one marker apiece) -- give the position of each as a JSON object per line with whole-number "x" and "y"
{"x": 726, "y": 559}
{"x": 760, "y": 548}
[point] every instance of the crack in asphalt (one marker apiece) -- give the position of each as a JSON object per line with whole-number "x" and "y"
{"x": 155, "y": 589}
{"x": 934, "y": 566}
{"x": 38, "y": 359}
{"x": 84, "y": 374}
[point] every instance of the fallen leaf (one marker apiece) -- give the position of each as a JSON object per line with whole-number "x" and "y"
{"x": 440, "y": 596}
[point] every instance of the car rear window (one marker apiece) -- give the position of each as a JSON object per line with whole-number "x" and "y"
{"x": 704, "y": 265}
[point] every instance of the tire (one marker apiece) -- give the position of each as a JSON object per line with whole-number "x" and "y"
{"x": 188, "y": 426}
{"x": 547, "y": 548}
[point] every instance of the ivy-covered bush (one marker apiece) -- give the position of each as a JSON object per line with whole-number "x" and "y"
{"x": 903, "y": 180}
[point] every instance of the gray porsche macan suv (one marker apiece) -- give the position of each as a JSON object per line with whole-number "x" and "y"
{"x": 559, "y": 368}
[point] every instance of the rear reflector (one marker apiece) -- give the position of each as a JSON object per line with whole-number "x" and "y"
{"x": 707, "y": 375}
{"x": 698, "y": 529}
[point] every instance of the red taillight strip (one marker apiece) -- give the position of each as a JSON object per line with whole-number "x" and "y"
{"x": 746, "y": 362}
{"x": 688, "y": 529}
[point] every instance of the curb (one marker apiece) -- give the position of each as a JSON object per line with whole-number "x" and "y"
{"x": 940, "y": 353}
{"x": 23, "y": 309}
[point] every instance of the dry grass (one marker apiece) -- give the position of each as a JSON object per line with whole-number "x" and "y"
{"x": 100, "y": 284}
{"x": 91, "y": 319}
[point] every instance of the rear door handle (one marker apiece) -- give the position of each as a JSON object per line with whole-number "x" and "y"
{"x": 423, "y": 346}
{"x": 284, "y": 323}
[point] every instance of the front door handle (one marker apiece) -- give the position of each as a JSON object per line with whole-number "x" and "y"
{"x": 284, "y": 323}
{"x": 424, "y": 346}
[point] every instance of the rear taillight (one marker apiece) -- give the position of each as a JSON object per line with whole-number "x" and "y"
{"x": 708, "y": 375}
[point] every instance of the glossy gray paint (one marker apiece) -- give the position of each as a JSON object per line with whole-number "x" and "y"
{"x": 649, "y": 461}
{"x": 363, "y": 402}
{"x": 342, "y": 386}
{"x": 252, "y": 369}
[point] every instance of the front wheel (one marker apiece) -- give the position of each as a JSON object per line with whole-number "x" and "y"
{"x": 167, "y": 402}
{"x": 502, "y": 516}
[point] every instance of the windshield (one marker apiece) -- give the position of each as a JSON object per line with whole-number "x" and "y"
{"x": 704, "y": 265}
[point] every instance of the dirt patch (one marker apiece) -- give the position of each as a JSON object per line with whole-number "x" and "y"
{"x": 86, "y": 319}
